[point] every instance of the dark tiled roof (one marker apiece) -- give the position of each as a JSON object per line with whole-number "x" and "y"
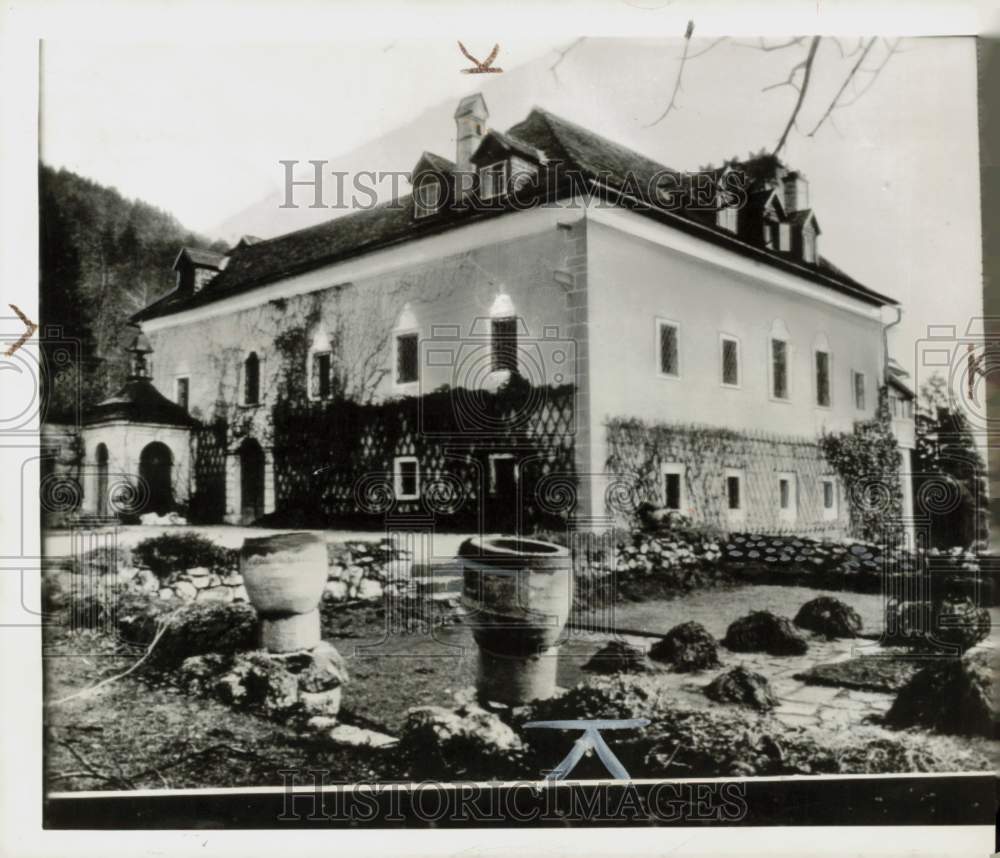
{"x": 569, "y": 145}
{"x": 509, "y": 144}
{"x": 139, "y": 402}
{"x": 437, "y": 163}
{"x": 207, "y": 258}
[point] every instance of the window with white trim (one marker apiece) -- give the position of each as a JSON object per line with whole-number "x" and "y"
{"x": 251, "y": 379}
{"x": 828, "y": 489}
{"x": 788, "y": 500}
{"x": 729, "y": 353}
{"x": 406, "y": 477}
{"x": 668, "y": 348}
{"x": 182, "y": 391}
{"x": 407, "y": 358}
{"x": 779, "y": 368}
{"x": 427, "y": 196}
{"x": 321, "y": 375}
{"x": 493, "y": 180}
{"x": 858, "y": 385}
{"x": 503, "y": 342}
{"x": 728, "y": 218}
{"x": 674, "y": 493}
{"x": 822, "y": 359}
{"x": 734, "y": 494}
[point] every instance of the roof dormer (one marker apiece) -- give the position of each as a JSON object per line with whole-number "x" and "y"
{"x": 196, "y": 268}
{"x": 432, "y": 180}
{"x": 805, "y": 235}
{"x": 503, "y": 163}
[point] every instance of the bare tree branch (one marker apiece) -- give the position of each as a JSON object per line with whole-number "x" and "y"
{"x": 705, "y": 50}
{"x": 763, "y": 46}
{"x": 562, "y": 55}
{"x": 806, "y": 65}
{"x": 891, "y": 50}
{"x": 680, "y": 74}
{"x": 850, "y": 76}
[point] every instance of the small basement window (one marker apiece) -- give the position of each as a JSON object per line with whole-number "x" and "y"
{"x": 734, "y": 494}
{"x": 406, "y": 478}
{"x": 828, "y": 486}
{"x": 787, "y": 497}
{"x": 673, "y": 486}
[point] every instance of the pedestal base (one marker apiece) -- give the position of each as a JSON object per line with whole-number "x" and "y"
{"x": 287, "y": 634}
{"x": 515, "y": 680}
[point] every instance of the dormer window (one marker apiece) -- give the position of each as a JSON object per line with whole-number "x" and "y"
{"x": 493, "y": 180}
{"x": 808, "y": 243}
{"x": 728, "y": 218}
{"x": 427, "y": 196}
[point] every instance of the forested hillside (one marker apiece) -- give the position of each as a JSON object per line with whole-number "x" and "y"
{"x": 102, "y": 257}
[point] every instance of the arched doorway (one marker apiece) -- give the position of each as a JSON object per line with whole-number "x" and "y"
{"x": 155, "y": 465}
{"x": 251, "y": 481}
{"x": 102, "y": 480}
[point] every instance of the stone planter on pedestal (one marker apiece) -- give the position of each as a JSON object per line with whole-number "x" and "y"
{"x": 284, "y": 576}
{"x": 519, "y": 592}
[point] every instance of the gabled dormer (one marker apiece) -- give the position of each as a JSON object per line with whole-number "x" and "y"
{"x": 196, "y": 268}
{"x": 503, "y": 163}
{"x": 433, "y": 181}
{"x": 764, "y": 218}
{"x": 805, "y": 236}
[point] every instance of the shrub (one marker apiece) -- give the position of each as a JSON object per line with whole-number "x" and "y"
{"x": 171, "y": 553}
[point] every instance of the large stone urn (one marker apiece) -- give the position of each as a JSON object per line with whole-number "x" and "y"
{"x": 284, "y": 576}
{"x": 519, "y": 593}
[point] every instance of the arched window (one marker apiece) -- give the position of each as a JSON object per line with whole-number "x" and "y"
{"x": 251, "y": 379}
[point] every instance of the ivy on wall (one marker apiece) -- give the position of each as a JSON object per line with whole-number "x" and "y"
{"x": 867, "y": 460}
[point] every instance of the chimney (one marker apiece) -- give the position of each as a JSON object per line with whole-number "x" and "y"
{"x": 796, "y": 196}
{"x": 470, "y": 128}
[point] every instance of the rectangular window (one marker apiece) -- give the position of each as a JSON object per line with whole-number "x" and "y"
{"x": 727, "y": 218}
{"x": 183, "y": 386}
{"x": 779, "y": 369}
{"x": 504, "y": 344}
{"x": 407, "y": 364}
{"x": 859, "y": 391}
{"x": 730, "y": 361}
{"x": 406, "y": 474}
{"x": 733, "y": 492}
{"x": 668, "y": 349}
{"x": 493, "y": 180}
{"x": 788, "y": 500}
{"x": 320, "y": 382}
{"x": 823, "y": 379}
{"x": 829, "y": 487}
{"x": 673, "y": 486}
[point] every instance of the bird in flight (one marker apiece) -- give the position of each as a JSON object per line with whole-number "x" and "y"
{"x": 484, "y": 66}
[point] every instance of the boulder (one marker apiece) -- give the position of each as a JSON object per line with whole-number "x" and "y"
{"x": 830, "y": 617}
{"x": 194, "y": 628}
{"x": 762, "y": 631}
{"x": 335, "y": 590}
{"x": 185, "y": 590}
{"x": 620, "y": 657}
{"x": 449, "y": 743}
{"x": 941, "y": 625}
{"x": 298, "y": 685}
{"x": 687, "y": 647}
{"x": 742, "y": 686}
{"x": 950, "y": 695}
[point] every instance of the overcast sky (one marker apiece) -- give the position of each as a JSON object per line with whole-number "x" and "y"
{"x": 198, "y": 130}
